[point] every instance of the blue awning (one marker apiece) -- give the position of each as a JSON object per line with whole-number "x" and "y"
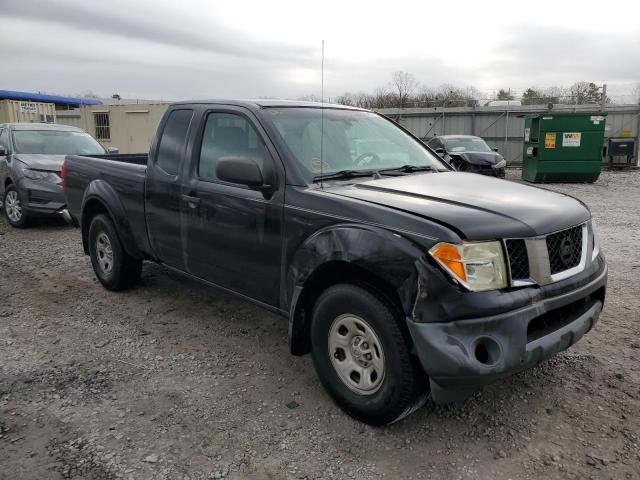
{"x": 39, "y": 97}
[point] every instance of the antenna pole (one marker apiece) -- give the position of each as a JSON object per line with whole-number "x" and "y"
{"x": 321, "y": 112}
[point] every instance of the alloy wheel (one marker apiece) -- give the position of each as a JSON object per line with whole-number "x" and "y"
{"x": 13, "y": 207}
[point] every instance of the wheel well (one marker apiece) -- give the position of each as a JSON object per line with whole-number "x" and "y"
{"x": 326, "y": 275}
{"x": 90, "y": 210}
{"x": 7, "y": 182}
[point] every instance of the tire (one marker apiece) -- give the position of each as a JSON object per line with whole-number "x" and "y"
{"x": 114, "y": 267}
{"x": 14, "y": 208}
{"x": 393, "y": 385}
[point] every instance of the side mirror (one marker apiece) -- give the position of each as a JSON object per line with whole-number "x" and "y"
{"x": 241, "y": 170}
{"x": 3, "y": 151}
{"x": 495, "y": 149}
{"x": 113, "y": 150}
{"x": 440, "y": 151}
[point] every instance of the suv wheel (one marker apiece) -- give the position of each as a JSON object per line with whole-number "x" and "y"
{"x": 13, "y": 208}
{"x": 114, "y": 267}
{"x": 361, "y": 353}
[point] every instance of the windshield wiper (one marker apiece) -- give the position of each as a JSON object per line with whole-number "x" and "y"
{"x": 343, "y": 174}
{"x": 410, "y": 169}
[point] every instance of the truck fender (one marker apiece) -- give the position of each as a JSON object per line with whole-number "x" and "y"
{"x": 102, "y": 195}
{"x": 380, "y": 256}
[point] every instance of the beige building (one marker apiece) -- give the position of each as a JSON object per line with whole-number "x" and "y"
{"x": 126, "y": 126}
{"x": 16, "y": 111}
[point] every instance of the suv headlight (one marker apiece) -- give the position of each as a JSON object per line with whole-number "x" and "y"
{"x": 50, "y": 177}
{"x": 501, "y": 164}
{"x": 477, "y": 266}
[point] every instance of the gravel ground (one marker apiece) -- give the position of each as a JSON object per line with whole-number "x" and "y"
{"x": 174, "y": 380}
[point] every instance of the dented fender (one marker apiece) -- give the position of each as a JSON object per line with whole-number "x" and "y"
{"x": 387, "y": 255}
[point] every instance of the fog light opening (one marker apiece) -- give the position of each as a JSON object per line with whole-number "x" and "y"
{"x": 487, "y": 351}
{"x": 482, "y": 355}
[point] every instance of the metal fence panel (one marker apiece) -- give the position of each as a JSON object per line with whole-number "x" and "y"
{"x": 504, "y": 128}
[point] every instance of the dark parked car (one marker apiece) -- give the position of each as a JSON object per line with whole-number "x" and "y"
{"x": 31, "y": 155}
{"x": 402, "y": 277}
{"x": 467, "y": 153}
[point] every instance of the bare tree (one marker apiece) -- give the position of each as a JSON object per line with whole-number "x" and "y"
{"x": 448, "y": 95}
{"x": 504, "y": 94}
{"x": 636, "y": 94}
{"x": 404, "y": 84}
{"x": 89, "y": 94}
{"x": 311, "y": 97}
{"x": 363, "y": 100}
{"x": 585, "y": 92}
{"x": 537, "y": 96}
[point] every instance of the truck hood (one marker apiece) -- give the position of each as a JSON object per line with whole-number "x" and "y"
{"x": 474, "y": 206}
{"x": 52, "y": 163}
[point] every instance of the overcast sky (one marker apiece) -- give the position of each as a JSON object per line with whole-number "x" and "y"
{"x": 185, "y": 49}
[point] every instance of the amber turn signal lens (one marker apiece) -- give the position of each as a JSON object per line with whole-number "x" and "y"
{"x": 450, "y": 257}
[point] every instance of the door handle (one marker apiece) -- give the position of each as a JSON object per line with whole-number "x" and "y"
{"x": 191, "y": 200}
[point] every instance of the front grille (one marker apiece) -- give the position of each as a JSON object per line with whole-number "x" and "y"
{"x": 518, "y": 259}
{"x": 537, "y": 260}
{"x": 565, "y": 249}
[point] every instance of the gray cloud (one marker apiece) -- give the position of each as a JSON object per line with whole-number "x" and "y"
{"x": 175, "y": 52}
{"x": 168, "y": 28}
{"x": 548, "y": 55}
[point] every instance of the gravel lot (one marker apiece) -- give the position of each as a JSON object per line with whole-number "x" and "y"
{"x": 175, "y": 380}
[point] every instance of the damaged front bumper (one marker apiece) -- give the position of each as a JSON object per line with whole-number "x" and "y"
{"x": 41, "y": 198}
{"x": 522, "y": 328}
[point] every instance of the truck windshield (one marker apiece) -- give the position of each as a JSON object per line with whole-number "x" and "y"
{"x": 55, "y": 142}
{"x": 353, "y": 140}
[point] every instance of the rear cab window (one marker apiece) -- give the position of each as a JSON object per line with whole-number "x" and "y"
{"x": 4, "y": 138}
{"x": 173, "y": 140}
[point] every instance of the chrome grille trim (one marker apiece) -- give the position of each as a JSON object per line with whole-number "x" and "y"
{"x": 539, "y": 265}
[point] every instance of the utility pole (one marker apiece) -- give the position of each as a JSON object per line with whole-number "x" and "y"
{"x": 603, "y": 99}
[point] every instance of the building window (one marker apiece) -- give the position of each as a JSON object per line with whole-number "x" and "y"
{"x": 103, "y": 131}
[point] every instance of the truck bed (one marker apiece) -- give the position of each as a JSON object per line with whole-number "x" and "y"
{"x": 135, "y": 158}
{"x": 119, "y": 175}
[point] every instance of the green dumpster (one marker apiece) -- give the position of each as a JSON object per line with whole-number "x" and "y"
{"x": 563, "y": 147}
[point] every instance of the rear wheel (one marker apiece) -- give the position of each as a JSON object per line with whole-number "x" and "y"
{"x": 361, "y": 354}
{"x": 13, "y": 207}
{"x": 114, "y": 267}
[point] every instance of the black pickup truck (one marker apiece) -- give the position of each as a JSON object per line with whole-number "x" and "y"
{"x": 401, "y": 277}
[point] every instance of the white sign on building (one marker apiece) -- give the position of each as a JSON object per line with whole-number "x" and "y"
{"x": 28, "y": 107}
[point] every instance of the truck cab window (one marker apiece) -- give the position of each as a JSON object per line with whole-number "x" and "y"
{"x": 174, "y": 137}
{"x": 4, "y": 138}
{"x": 228, "y": 135}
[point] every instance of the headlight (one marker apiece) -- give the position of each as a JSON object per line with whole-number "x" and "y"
{"x": 477, "y": 266}
{"x": 596, "y": 240}
{"x": 51, "y": 177}
{"x": 501, "y": 164}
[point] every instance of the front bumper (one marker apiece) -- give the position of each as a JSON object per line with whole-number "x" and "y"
{"x": 41, "y": 198}
{"x": 462, "y": 355}
{"x": 485, "y": 170}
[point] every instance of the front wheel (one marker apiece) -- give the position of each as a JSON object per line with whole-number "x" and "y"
{"x": 361, "y": 353}
{"x": 14, "y": 208}
{"x": 114, "y": 267}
